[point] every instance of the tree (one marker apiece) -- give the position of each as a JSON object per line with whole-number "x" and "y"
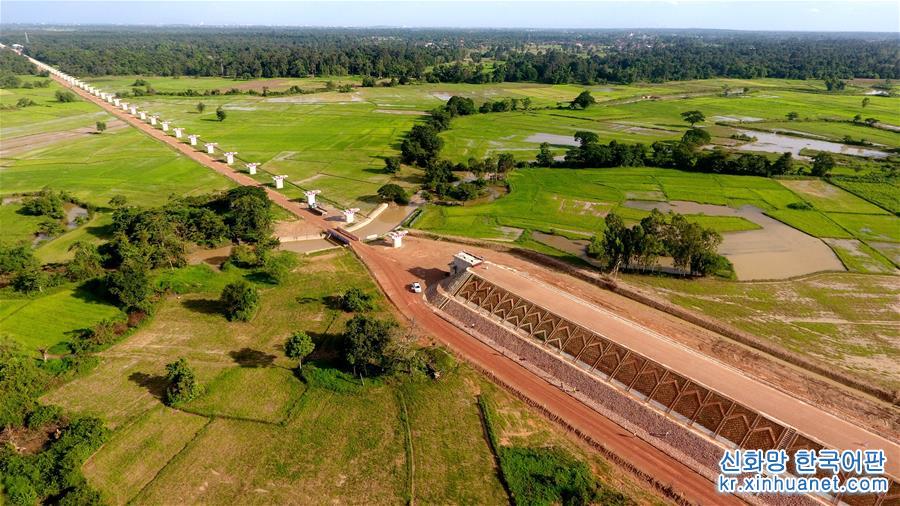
{"x": 544, "y": 156}
{"x": 298, "y": 347}
{"x": 857, "y": 118}
{"x": 865, "y": 102}
{"x": 86, "y": 263}
{"x": 278, "y": 266}
{"x": 823, "y": 163}
{"x": 356, "y": 300}
{"x": 130, "y": 285}
{"x": 693, "y": 117}
{"x": 526, "y": 103}
{"x": 393, "y": 193}
{"x": 221, "y": 114}
{"x": 16, "y": 258}
{"x": 505, "y": 163}
{"x": 240, "y": 301}
{"x": 791, "y": 116}
{"x": 784, "y": 164}
{"x": 695, "y": 137}
{"x": 392, "y": 165}
{"x": 368, "y": 82}
{"x": 584, "y": 137}
{"x": 101, "y": 127}
{"x": 182, "y": 383}
{"x": 201, "y": 107}
{"x": 118, "y": 201}
{"x": 65, "y": 96}
{"x": 367, "y": 344}
{"x": 24, "y": 102}
{"x": 584, "y": 100}
{"x": 250, "y": 213}
{"x": 30, "y": 280}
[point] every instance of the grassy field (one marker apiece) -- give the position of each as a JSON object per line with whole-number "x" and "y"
{"x": 48, "y": 319}
{"x": 258, "y": 434}
{"x": 620, "y": 115}
{"x": 47, "y": 115}
{"x": 845, "y": 320}
{"x": 578, "y": 200}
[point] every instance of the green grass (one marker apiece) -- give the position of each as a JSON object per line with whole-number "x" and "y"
{"x": 47, "y": 115}
{"x": 649, "y": 121}
{"x": 17, "y": 227}
{"x": 829, "y": 198}
{"x": 886, "y": 195}
{"x": 578, "y": 199}
{"x": 868, "y": 227}
{"x": 250, "y": 392}
{"x": 812, "y": 222}
{"x": 131, "y": 459}
{"x": 123, "y": 162}
{"x": 859, "y": 257}
{"x": 46, "y": 319}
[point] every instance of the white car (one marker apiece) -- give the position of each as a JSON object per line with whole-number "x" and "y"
{"x": 416, "y": 287}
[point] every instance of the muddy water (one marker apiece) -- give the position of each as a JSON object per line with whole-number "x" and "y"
{"x": 72, "y": 214}
{"x": 776, "y": 251}
{"x": 388, "y": 220}
{"x": 559, "y": 140}
{"x": 776, "y": 143}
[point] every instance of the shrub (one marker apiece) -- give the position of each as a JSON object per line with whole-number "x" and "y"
{"x": 547, "y": 476}
{"x": 65, "y": 96}
{"x": 800, "y": 206}
{"x": 240, "y": 301}
{"x": 277, "y": 267}
{"x": 356, "y": 301}
{"x": 45, "y": 203}
{"x": 182, "y": 381}
{"x": 393, "y": 193}
{"x": 24, "y": 102}
{"x": 43, "y": 415}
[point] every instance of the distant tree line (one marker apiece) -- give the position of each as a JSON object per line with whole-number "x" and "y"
{"x": 471, "y": 56}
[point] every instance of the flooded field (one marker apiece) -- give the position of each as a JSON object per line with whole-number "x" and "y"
{"x": 777, "y": 143}
{"x": 559, "y": 140}
{"x": 776, "y": 251}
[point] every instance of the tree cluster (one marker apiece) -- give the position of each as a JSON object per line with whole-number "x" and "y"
{"x": 585, "y": 56}
{"x": 691, "y": 246}
{"x": 54, "y": 473}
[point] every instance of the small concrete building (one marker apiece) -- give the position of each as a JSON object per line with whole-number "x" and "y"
{"x": 350, "y": 214}
{"x": 279, "y": 181}
{"x": 193, "y": 139}
{"x": 396, "y": 237}
{"x": 178, "y": 132}
{"x": 210, "y": 147}
{"x": 143, "y": 116}
{"x": 229, "y": 157}
{"x": 311, "y": 198}
{"x": 462, "y": 261}
{"x": 165, "y": 126}
{"x": 251, "y": 168}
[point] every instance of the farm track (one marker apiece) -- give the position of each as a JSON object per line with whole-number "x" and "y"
{"x": 394, "y": 276}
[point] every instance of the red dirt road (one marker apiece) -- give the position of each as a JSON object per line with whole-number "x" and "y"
{"x": 394, "y": 279}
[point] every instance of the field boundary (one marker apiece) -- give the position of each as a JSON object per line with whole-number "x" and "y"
{"x": 667, "y": 307}
{"x": 408, "y": 447}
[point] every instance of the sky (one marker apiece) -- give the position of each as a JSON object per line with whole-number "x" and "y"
{"x": 808, "y": 15}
